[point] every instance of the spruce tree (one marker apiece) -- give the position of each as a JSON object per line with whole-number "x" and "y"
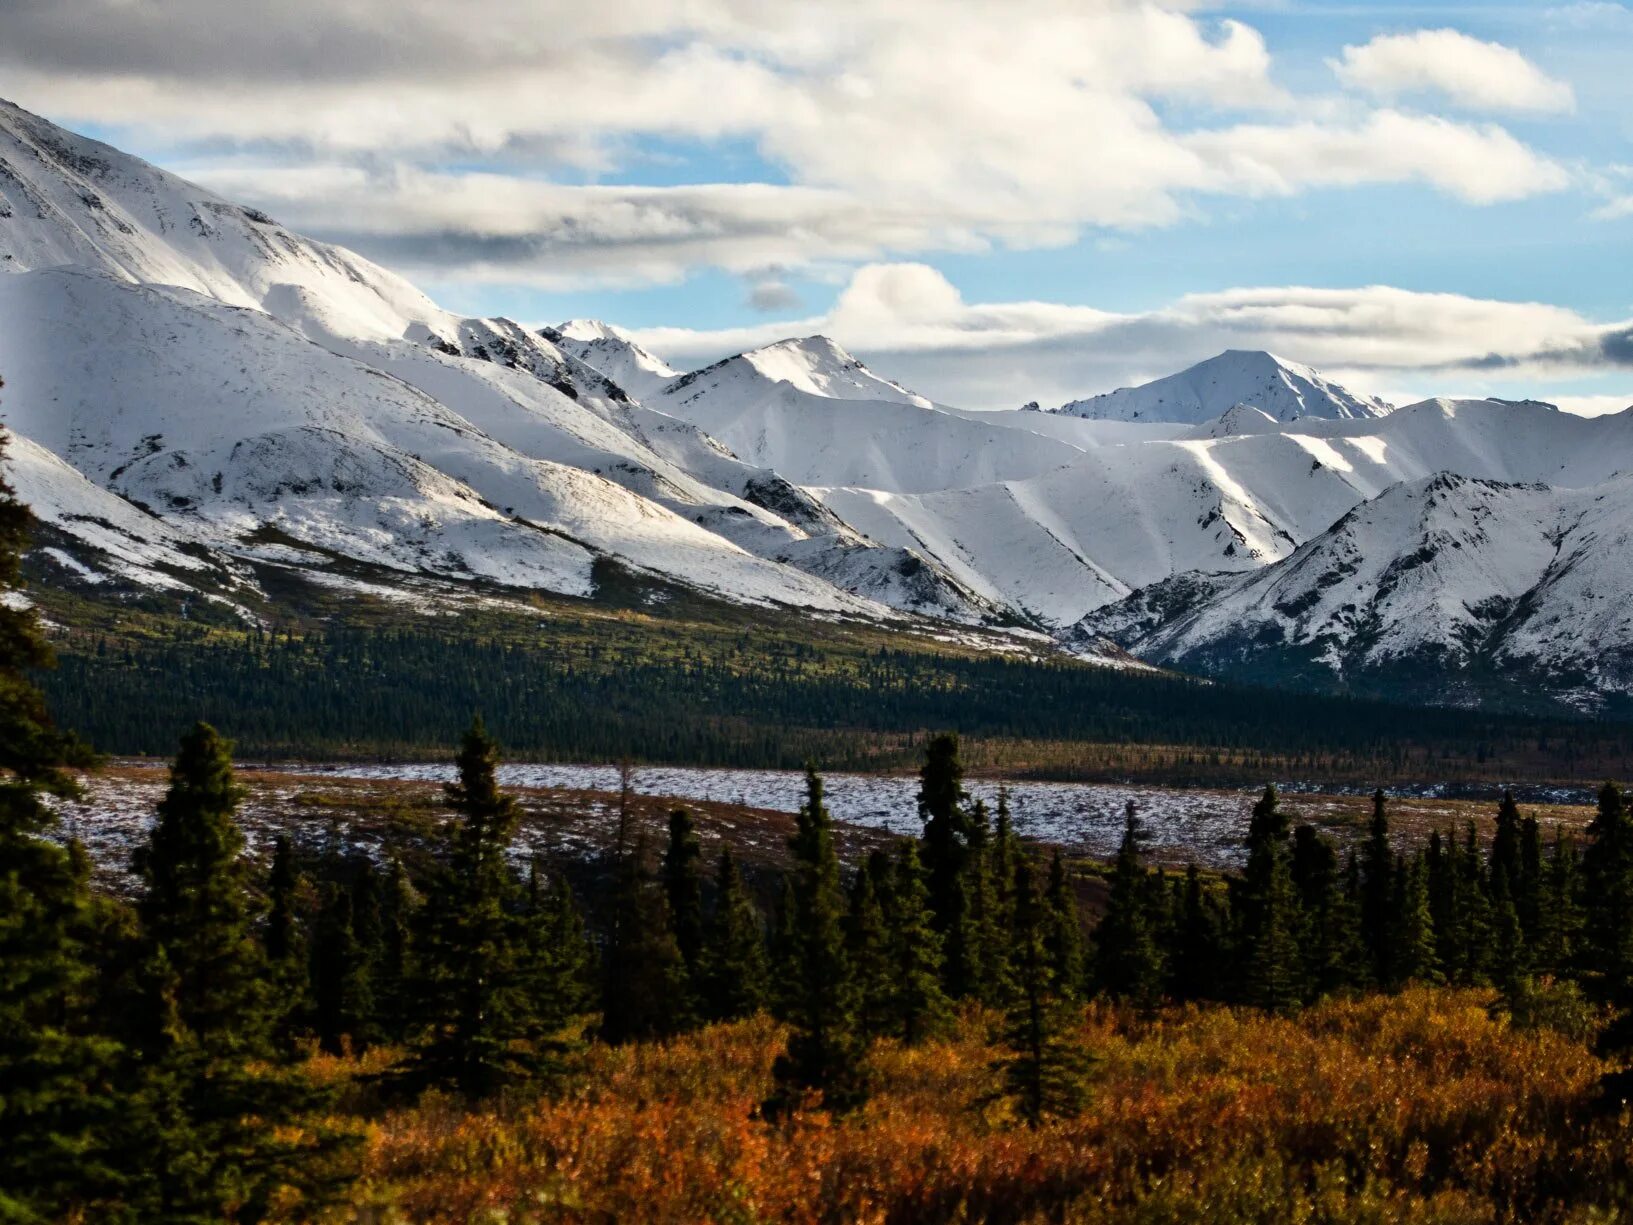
{"x": 341, "y": 991}
{"x": 473, "y": 980}
{"x": 987, "y": 924}
{"x": 394, "y": 970}
{"x": 644, "y": 994}
{"x": 683, "y": 886}
{"x": 735, "y": 965}
{"x": 1413, "y": 956}
{"x": 1607, "y": 877}
{"x": 1506, "y": 865}
{"x": 919, "y": 1007}
{"x": 1044, "y": 1074}
{"x": 942, "y": 809}
{"x": 1063, "y": 933}
{"x": 211, "y": 1112}
{"x": 867, "y": 949}
{"x": 1559, "y": 910}
{"x": 1269, "y": 919}
{"x": 55, "y": 1105}
{"x": 1199, "y": 945}
{"x": 556, "y": 967}
{"x": 1330, "y": 930}
{"x": 1127, "y": 960}
{"x": 1377, "y": 890}
{"x": 825, "y": 1054}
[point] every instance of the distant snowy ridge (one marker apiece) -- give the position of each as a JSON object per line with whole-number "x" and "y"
{"x": 1285, "y": 390}
{"x": 1444, "y": 588}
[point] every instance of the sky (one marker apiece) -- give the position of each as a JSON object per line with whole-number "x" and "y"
{"x": 993, "y": 203}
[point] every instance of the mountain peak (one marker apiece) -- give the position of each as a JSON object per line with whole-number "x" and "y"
{"x": 821, "y": 366}
{"x": 1283, "y": 389}
{"x": 612, "y": 351}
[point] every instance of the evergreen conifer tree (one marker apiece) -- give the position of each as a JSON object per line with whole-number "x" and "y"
{"x": 1413, "y": 956}
{"x": 683, "y": 888}
{"x": 1063, "y": 933}
{"x": 1377, "y": 890}
{"x": 341, "y": 991}
{"x": 942, "y": 809}
{"x": 644, "y": 995}
{"x": 735, "y": 967}
{"x": 1127, "y": 958}
{"x": 1199, "y": 946}
{"x": 55, "y": 1106}
{"x": 867, "y": 947}
{"x": 1559, "y": 912}
{"x": 394, "y": 970}
{"x": 1045, "y": 1072}
{"x": 1268, "y": 927}
{"x": 919, "y": 1007}
{"x": 210, "y": 1113}
{"x": 825, "y": 1054}
{"x": 473, "y": 975}
{"x": 1607, "y": 878}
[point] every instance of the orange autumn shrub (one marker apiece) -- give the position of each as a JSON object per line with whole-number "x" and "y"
{"x": 1418, "y": 1107}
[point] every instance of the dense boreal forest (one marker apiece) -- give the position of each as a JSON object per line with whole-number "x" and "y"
{"x": 759, "y": 691}
{"x": 410, "y": 1033}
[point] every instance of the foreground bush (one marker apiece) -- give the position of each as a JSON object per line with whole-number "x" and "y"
{"x": 1419, "y": 1107}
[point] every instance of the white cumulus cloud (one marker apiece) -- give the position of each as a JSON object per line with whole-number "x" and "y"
{"x": 1473, "y": 74}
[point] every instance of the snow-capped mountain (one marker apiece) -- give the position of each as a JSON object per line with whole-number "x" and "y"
{"x": 1219, "y": 497}
{"x": 1445, "y": 587}
{"x": 817, "y": 415}
{"x": 1284, "y": 390}
{"x": 244, "y": 384}
{"x": 612, "y": 351}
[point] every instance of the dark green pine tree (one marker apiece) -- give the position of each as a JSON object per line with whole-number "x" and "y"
{"x": 473, "y": 979}
{"x": 1330, "y": 929}
{"x": 1607, "y": 893}
{"x": 1272, "y": 971}
{"x": 784, "y": 948}
{"x": 826, "y": 1054}
{"x": 919, "y": 1007}
{"x": 644, "y": 994}
{"x": 1467, "y": 959}
{"x": 211, "y": 1112}
{"x": 867, "y": 947}
{"x": 556, "y": 967}
{"x": 1006, "y": 857}
{"x": 1559, "y": 910}
{"x": 1377, "y": 891}
{"x": 1413, "y": 956}
{"x": 285, "y": 951}
{"x": 394, "y": 970}
{"x": 1045, "y": 1073}
{"x": 1510, "y": 961}
{"x": 1506, "y": 865}
{"x": 1127, "y": 958}
{"x": 1199, "y": 942}
{"x": 683, "y": 887}
{"x": 1063, "y": 931}
{"x": 341, "y": 989}
{"x": 987, "y": 924}
{"x": 942, "y": 809}
{"x": 55, "y": 1102}
{"x": 1528, "y": 894}
{"x": 735, "y": 967}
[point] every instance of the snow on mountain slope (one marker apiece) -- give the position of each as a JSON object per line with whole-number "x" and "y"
{"x": 781, "y": 407}
{"x": 1283, "y": 389}
{"x": 229, "y": 422}
{"x": 1237, "y": 494}
{"x": 613, "y": 353}
{"x": 1447, "y": 581}
{"x": 68, "y": 201}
